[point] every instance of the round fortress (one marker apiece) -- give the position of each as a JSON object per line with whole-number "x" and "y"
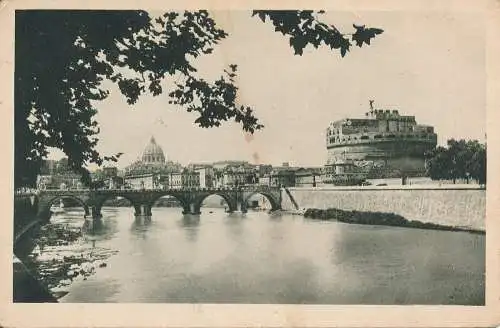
{"x": 383, "y": 144}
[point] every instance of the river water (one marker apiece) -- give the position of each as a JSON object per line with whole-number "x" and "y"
{"x": 277, "y": 258}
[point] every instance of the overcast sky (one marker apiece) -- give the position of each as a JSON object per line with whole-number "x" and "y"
{"x": 429, "y": 65}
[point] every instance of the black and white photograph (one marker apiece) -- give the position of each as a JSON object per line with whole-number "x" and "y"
{"x": 233, "y": 156}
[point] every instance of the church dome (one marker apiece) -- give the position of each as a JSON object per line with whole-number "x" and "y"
{"x": 153, "y": 154}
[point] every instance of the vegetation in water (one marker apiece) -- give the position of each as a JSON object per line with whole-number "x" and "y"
{"x": 64, "y": 255}
{"x": 377, "y": 218}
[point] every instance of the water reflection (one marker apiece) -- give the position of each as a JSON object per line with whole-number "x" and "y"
{"x": 256, "y": 257}
{"x": 140, "y": 226}
{"x": 189, "y": 220}
{"x": 190, "y": 224}
{"x": 101, "y": 229}
{"x": 235, "y": 226}
{"x": 142, "y": 220}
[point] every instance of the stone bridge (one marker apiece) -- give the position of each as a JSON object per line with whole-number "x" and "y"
{"x": 142, "y": 200}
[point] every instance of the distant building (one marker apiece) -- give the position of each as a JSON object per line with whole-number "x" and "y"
{"x": 282, "y": 177}
{"x": 114, "y": 182}
{"x": 307, "y": 177}
{"x": 175, "y": 180}
{"x": 263, "y": 170}
{"x": 222, "y": 165}
{"x": 190, "y": 179}
{"x": 206, "y": 176}
{"x": 59, "y": 181}
{"x": 153, "y": 154}
{"x": 153, "y": 162}
{"x": 49, "y": 167}
{"x": 141, "y": 181}
{"x": 265, "y": 180}
{"x": 110, "y": 171}
{"x": 343, "y": 173}
{"x": 239, "y": 174}
{"x": 384, "y": 144}
{"x": 56, "y": 174}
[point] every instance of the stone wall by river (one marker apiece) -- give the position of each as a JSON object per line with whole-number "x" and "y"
{"x": 451, "y": 206}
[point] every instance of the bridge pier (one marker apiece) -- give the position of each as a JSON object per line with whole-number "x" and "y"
{"x": 142, "y": 210}
{"x": 96, "y": 212}
{"x": 243, "y": 207}
{"x": 87, "y": 211}
{"x": 96, "y": 222}
{"x": 192, "y": 208}
{"x": 232, "y": 208}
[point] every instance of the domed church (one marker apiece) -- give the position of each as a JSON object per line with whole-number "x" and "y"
{"x": 153, "y": 154}
{"x": 153, "y": 162}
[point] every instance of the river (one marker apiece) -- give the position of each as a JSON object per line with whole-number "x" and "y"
{"x": 277, "y": 258}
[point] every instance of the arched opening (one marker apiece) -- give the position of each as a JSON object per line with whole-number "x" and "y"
{"x": 116, "y": 205}
{"x": 267, "y": 202}
{"x": 258, "y": 202}
{"x": 166, "y": 205}
{"x": 216, "y": 203}
{"x": 66, "y": 207}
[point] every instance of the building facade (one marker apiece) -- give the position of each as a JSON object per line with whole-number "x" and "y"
{"x": 59, "y": 181}
{"x": 175, "y": 180}
{"x": 141, "y": 181}
{"x": 282, "y": 177}
{"x": 307, "y": 177}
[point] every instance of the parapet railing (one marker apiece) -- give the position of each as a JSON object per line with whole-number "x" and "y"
{"x": 33, "y": 192}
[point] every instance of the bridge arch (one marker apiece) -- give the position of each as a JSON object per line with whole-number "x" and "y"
{"x": 230, "y": 201}
{"x": 47, "y": 204}
{"x": 177, "y": 196}
{"x": 275, "y": 203}
{"x": 101, "y": 199}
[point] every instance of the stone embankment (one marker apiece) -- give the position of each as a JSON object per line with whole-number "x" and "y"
{"x": 451, "y": 206}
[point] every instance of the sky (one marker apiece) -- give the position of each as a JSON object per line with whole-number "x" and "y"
{"x": 427, "y": 64}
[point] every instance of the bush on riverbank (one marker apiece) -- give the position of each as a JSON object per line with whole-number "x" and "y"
{"x": 377, "y": 218}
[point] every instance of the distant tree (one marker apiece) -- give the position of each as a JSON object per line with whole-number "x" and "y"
{"x": 461, "y": 159}
{"x": 477, "y": 164}
{"x": 459, "y": 155}
{"x": 63, "y": 56}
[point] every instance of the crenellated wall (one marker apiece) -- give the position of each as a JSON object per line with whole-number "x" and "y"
{"x": 448, "y": 206}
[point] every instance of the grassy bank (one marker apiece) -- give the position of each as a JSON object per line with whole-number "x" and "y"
{"x": 378, "y": 218}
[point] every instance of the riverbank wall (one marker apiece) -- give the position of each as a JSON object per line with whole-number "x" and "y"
{"x": 458, "y": 206}
{"x": 25, "y": 209}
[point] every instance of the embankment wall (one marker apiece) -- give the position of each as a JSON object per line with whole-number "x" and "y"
{"x": 465, "y": 207}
